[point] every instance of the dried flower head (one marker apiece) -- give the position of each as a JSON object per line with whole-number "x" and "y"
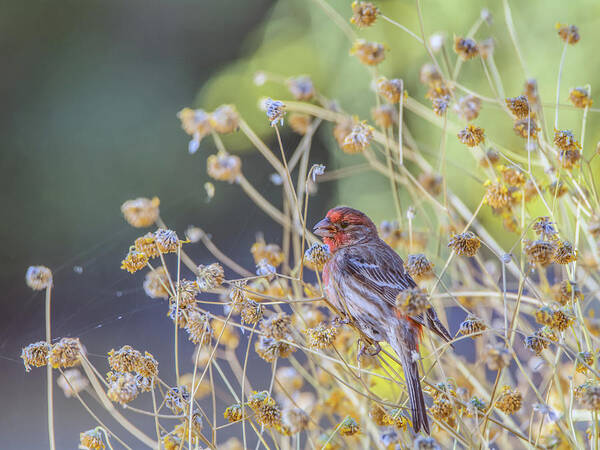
{"x": 196, "y": 123}
{"x": 177, "y": 399}
{"x": 364, "y": 14}
{"x": 391, "y": 90}
{"x": 580, "y": 97}
{"x": 466, "y": 48}
{"x": 565, "y": 140}
{"x": 198, "y": 328}
{"x": 322, "y": 336}
{"x": 468, "y": 107}
{"x": 38, "y": 277}
{"x": 568, "y": 33}
{"x": 418, "y": 266}
{"x": 35, "y": 355}
{"x": 65, "y": 353}
{"x": 134, "y": 261}
{"x": 413, "y": 301}
{"x": 348, "y": 427}
{"x": 539, "y": 251}
{"x": 544, "y": 228}
{"x": 124, "y": 360}
{"x": 252, "y": 312}
{"x": 564, "y": 253}
{"x": 123, "y": 388}
{"x": 440, "y": 104}
{"x": 584, "y": 359}
{"x": 72, "y": 382}
{"x": 301, "y": 87}
{"x": 300, "y": 123}
{"x": 569, "y": 158}
{"x": 561, "y": 320}
{"x": 277, "y": 326}
{"x": 472, "y": 325}
{"x": 567, "y": 291}
{"x": 146, "y": 366}
{"x": 465, "y": 244}
{"x": 224, "y": 167}
{"x": 185, "y": 293}
{"x": 91, "y": 440}
{"x": 509, "y": 400}
{"x": 519, "y": 106}
{"x": 166, "y": 240}
{"x": 429, "y": 75}
{"x": 210, "y": 277}
{"x": 368, "y": 53}
{"x": 385, "y": 116}
{"x": 341, "y": 130}
{"x": 442, "y": 409}
{"x": 270, "y": 349}
{"x": 540, "y": 340}
{"x": 141, "y": 212}
{"x": 358, "y": 139}
{"x": 498, "y": 357}
{"x": 147, "y": 244}
{"x": 471, "y": 136}
{"x": 225, "y": 119}
{"x": 557, "y": 189}
{"x": 271, "y": 252}
{"x": 316, "y": 256}
{"x": 543, "y": 315}
{"x": 234, "y": 413}
{"x": 497, "y": 195}
{"x": 268, "y": 414}
{"x": 526, "y": 127}
{"x": 275, "y": 111}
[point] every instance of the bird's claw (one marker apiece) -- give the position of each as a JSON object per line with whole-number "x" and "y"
{"x": 372, "y": 350}
{"x": 339, "y": 321}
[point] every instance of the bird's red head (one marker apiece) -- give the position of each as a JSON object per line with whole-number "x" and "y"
{"x": 344, "y": 226}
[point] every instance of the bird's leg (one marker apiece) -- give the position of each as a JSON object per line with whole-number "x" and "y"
{"x": 364, "y": 350}
{"x": 339, "y": 321}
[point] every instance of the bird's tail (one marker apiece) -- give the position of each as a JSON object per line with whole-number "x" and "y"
{"x": 404, "y": 350}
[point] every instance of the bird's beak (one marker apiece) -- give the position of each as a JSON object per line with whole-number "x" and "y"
{"x": 324, "y": 228}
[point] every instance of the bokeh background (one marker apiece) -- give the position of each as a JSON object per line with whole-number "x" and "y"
{"x": 90, "y": 91}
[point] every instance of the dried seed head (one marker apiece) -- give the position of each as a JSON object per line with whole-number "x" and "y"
{"x": 442, "y": 409}
{"x": 198, "y": 328}
{"x": 185, "y": 293}
{"x": 300, "y": 123}
{"x": 385, "y": 116}
{"x": 275, "y": 111}
{"x": 413, "y": 301}
{"x": 418, "y": 266}
{"x": 237, "y": 295}
{"x": 38, "y": 277}
{"x": 141, "y": 212}
{"x": 497, "y": 195}
{"x": 234, "y": 413}
{"x": 177, "y": 399}
{"x": 580, "y": 97}
{"x": 123, "y": 388}
{"x": 196, "y": 123}
{"x": 513, "y": 176}
{"x": 465, "y": 244}
{"x": 252, "y": 312}
{"x": 431, "y": 182}
{"x": 364, "y": 14}
{"x": 584, "y": 358}
{"x": 543, "y": 315}
{"x": 561, "y": 320}
{"x": 224, "y": 167}
{"x": 568, "y": 33}
{"x": 180, "y": 314}
{"x": 65, "y": 353}
{"x": 264, "y": 269}
{"x": 301, "y": 87}
{"x": 540, "y": 340}
{"x": 134, "y": 261}
{"x": 391, "y": 90}
{"x": 498, "y": 357}
{"x": 271, "y": 252}
{"x": 569, "y": 158}
{"x": 277, "y": 326}
{"x": 539, "y": 251}
{"x": 225, "y": 119}
{"x": 471, "y": 135}
{"x": 466, "y": 48}
{"x": 268, "y": 415}
{"x": 35, "y": 355}
{"x": 210, "y": 277}
{"x": 509, "y": 401}
{"x": 146, "y": 366}
{"x": 269, "y": 349}
{"x": 72, "y": 382}
{"x": 322, "y": 336}
{"x": 544, "y": 228}
{"x": 126, "y": 359}
{"x": 440, "y": 104}
{"x": 368, "y": 53}
{"x": 519, "y": 106}
{"x": 348, "y": 427}
{"x": 468, "y": 107}
{"x": 429, "y": 75}
{"x": 316, "y": 256}
{"x": 166, "y": 240}
{"x": 472, "y": 325}
{"x": 378, "y": 414}
{"x": 341, "y": 130}
{"x": 147, "y": 244}
{"x": 565, "y": 140}
{"x": 567, "y": 291}
{"x": 91, "y": 440}
{"x": 564, "y": 253}
{"x": 358, "y": 139}
{"x": 526, "y": 127}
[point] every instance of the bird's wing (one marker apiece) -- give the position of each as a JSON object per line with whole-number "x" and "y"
{"x": 380, "y": 269}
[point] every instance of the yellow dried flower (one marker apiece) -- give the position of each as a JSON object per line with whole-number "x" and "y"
{"x": 471, "y": 136}
{"x": 543, "y": 315}
{"x": 385, "y": 116}
{"x": 580, "y": 97}
{"x": 210, "y": 277}
{"x": 442, "y": 409}
{"x": 271, "y": 252}
{"x": 147, "y": 244}
{"x": 123, "y": 389}
{"x": 565, "y": 140}
{"x": 91, "y": 440}
{"x": 146, "y": 366}
{"x": 341, "y": 130}
{"x": 557, "y": 188}
{"x": 65, "y": 353}
{"x": 472, "y": 325}
{"x": 429, "y": 75}
{"x": 270, "y": 349}
{"x": 316, "y": 256}
{"x": 196, "y": 123}
{"x": 539, "y": 251}
{"x": 418, "y": 266}
{"x": 38, "y": 277}
{"x": 584, "y": 358}
{"x": 466, "y": 48}
{"x": 198, "y": 327}
{"x": 225, "y": 119}
{"x": 561, "y": 320}
{"x": 413, "y": 301}
{"x": 509, "y": 401}
{"x": 268, "y": 414}
{"x": 569, "y": 158}
{"x": 300, "y": 123}
{"x": 468, "y": 107}
{"x": 321, "y": 336}
{"x": 567, "y": 291}
{"x": 465, "y": 244}
{"x": 513, "y": 176}
{"x": 526, "y": 127}
{"x": 275, "y": 110}
{"x": 177, "y": 399}
{"x": 185, "y": 293}
{"x": 134, "y": 261}
{"x": 166, "y": 240}
{"x": 35, "y": 355}
{"x": 224, "y": 167}
{"x": 234, "y": 413}
{"x": 391, "y": 90}
{"x": 564, "y": 253}
{"x": 568, "y": 33}
{"x": 395, "y": 418}
{"x": 368, "y": 53}
{"x": 519, "y": 106}
{"x": 378, "y": 414}
{"x": 544, "y": 228}
{"x": 301, "y": 87}
{"x": 440, "y": 104}
{"x": 141, "y": 212}
{"x": 540, "y": 340}
{"x": 358, "y": 139}
{"x": 497, "y": 195}
{"x": 251, "y": 312}
{"x": 277, "y": 326}
{"x": 124, "y": 360}
{"x": 364, "y": 14}
{"x": 491, "y": 158}
{"x": 348, "y": 427}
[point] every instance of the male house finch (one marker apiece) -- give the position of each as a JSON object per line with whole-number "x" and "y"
{"x": 362, "y": 280}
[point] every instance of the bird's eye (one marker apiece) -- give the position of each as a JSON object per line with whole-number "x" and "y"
{"x": 344, "y": 224}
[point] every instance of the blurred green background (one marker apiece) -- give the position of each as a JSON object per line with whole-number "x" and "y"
{"x": 90, "y": 91}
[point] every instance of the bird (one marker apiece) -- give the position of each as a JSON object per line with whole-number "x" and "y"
{"x": 361, "y": 280}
